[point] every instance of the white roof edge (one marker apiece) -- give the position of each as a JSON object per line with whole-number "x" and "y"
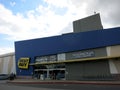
{"x": 7, "y": 54}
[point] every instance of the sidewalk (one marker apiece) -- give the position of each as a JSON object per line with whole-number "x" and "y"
{"x": 34, "y": 81}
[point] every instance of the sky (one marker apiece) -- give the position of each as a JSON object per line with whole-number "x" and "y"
{"x": 30, "y": 19}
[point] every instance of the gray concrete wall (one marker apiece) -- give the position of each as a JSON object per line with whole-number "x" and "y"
{"x": 88, "y": 70}
{"x": 88, "y": 24}
{"x": 99, "y": 52}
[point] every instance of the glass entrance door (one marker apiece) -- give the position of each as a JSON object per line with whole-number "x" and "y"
{"x": 52, "y": 71}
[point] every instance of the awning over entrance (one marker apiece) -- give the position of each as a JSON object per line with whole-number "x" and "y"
{"x": 76, "y": 60}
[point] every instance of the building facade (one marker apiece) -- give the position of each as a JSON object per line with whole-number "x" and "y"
{"x": 7, "y": 63}
{"x": 90, "y": 55}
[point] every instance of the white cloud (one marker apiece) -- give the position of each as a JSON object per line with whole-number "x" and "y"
{"x": 4, "y": 50}
{"x": 12, "y": 4}
{"x": 41, "y": 22}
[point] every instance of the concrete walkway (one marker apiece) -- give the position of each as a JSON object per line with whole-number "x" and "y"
{"x": 34, "y": 81}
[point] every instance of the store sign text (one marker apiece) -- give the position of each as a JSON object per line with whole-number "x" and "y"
{"x": 83, "y": 54}
{"x": 23, "y": 63}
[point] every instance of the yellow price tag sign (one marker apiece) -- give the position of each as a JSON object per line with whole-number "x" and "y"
{"x": 23, "y": 63}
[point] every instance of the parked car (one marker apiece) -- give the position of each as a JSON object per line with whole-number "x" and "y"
{"x": 4, "y": 76}
{"x": 7, "y": 76}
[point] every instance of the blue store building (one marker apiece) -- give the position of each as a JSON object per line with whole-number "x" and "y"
{"x": 74, "y": 56}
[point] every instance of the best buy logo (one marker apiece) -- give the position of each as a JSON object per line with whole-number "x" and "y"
{"x": 23, "y": 63}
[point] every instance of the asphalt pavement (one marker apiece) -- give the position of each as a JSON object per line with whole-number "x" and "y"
{"x": 15, "y": 87}
{"x": 34, "y": 84}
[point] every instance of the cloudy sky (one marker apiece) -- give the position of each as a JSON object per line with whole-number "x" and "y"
{"x": 28, "y": 19}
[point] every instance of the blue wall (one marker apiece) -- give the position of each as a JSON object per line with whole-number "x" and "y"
{"x": 65, "y": 43}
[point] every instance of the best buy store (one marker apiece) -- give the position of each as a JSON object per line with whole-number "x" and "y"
{"x": 90, "y": 55}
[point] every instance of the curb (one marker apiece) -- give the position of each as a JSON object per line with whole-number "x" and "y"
{"x": 64, "y": 82}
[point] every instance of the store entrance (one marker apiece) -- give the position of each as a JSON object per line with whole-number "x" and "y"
{"x": 52, "y": 72}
